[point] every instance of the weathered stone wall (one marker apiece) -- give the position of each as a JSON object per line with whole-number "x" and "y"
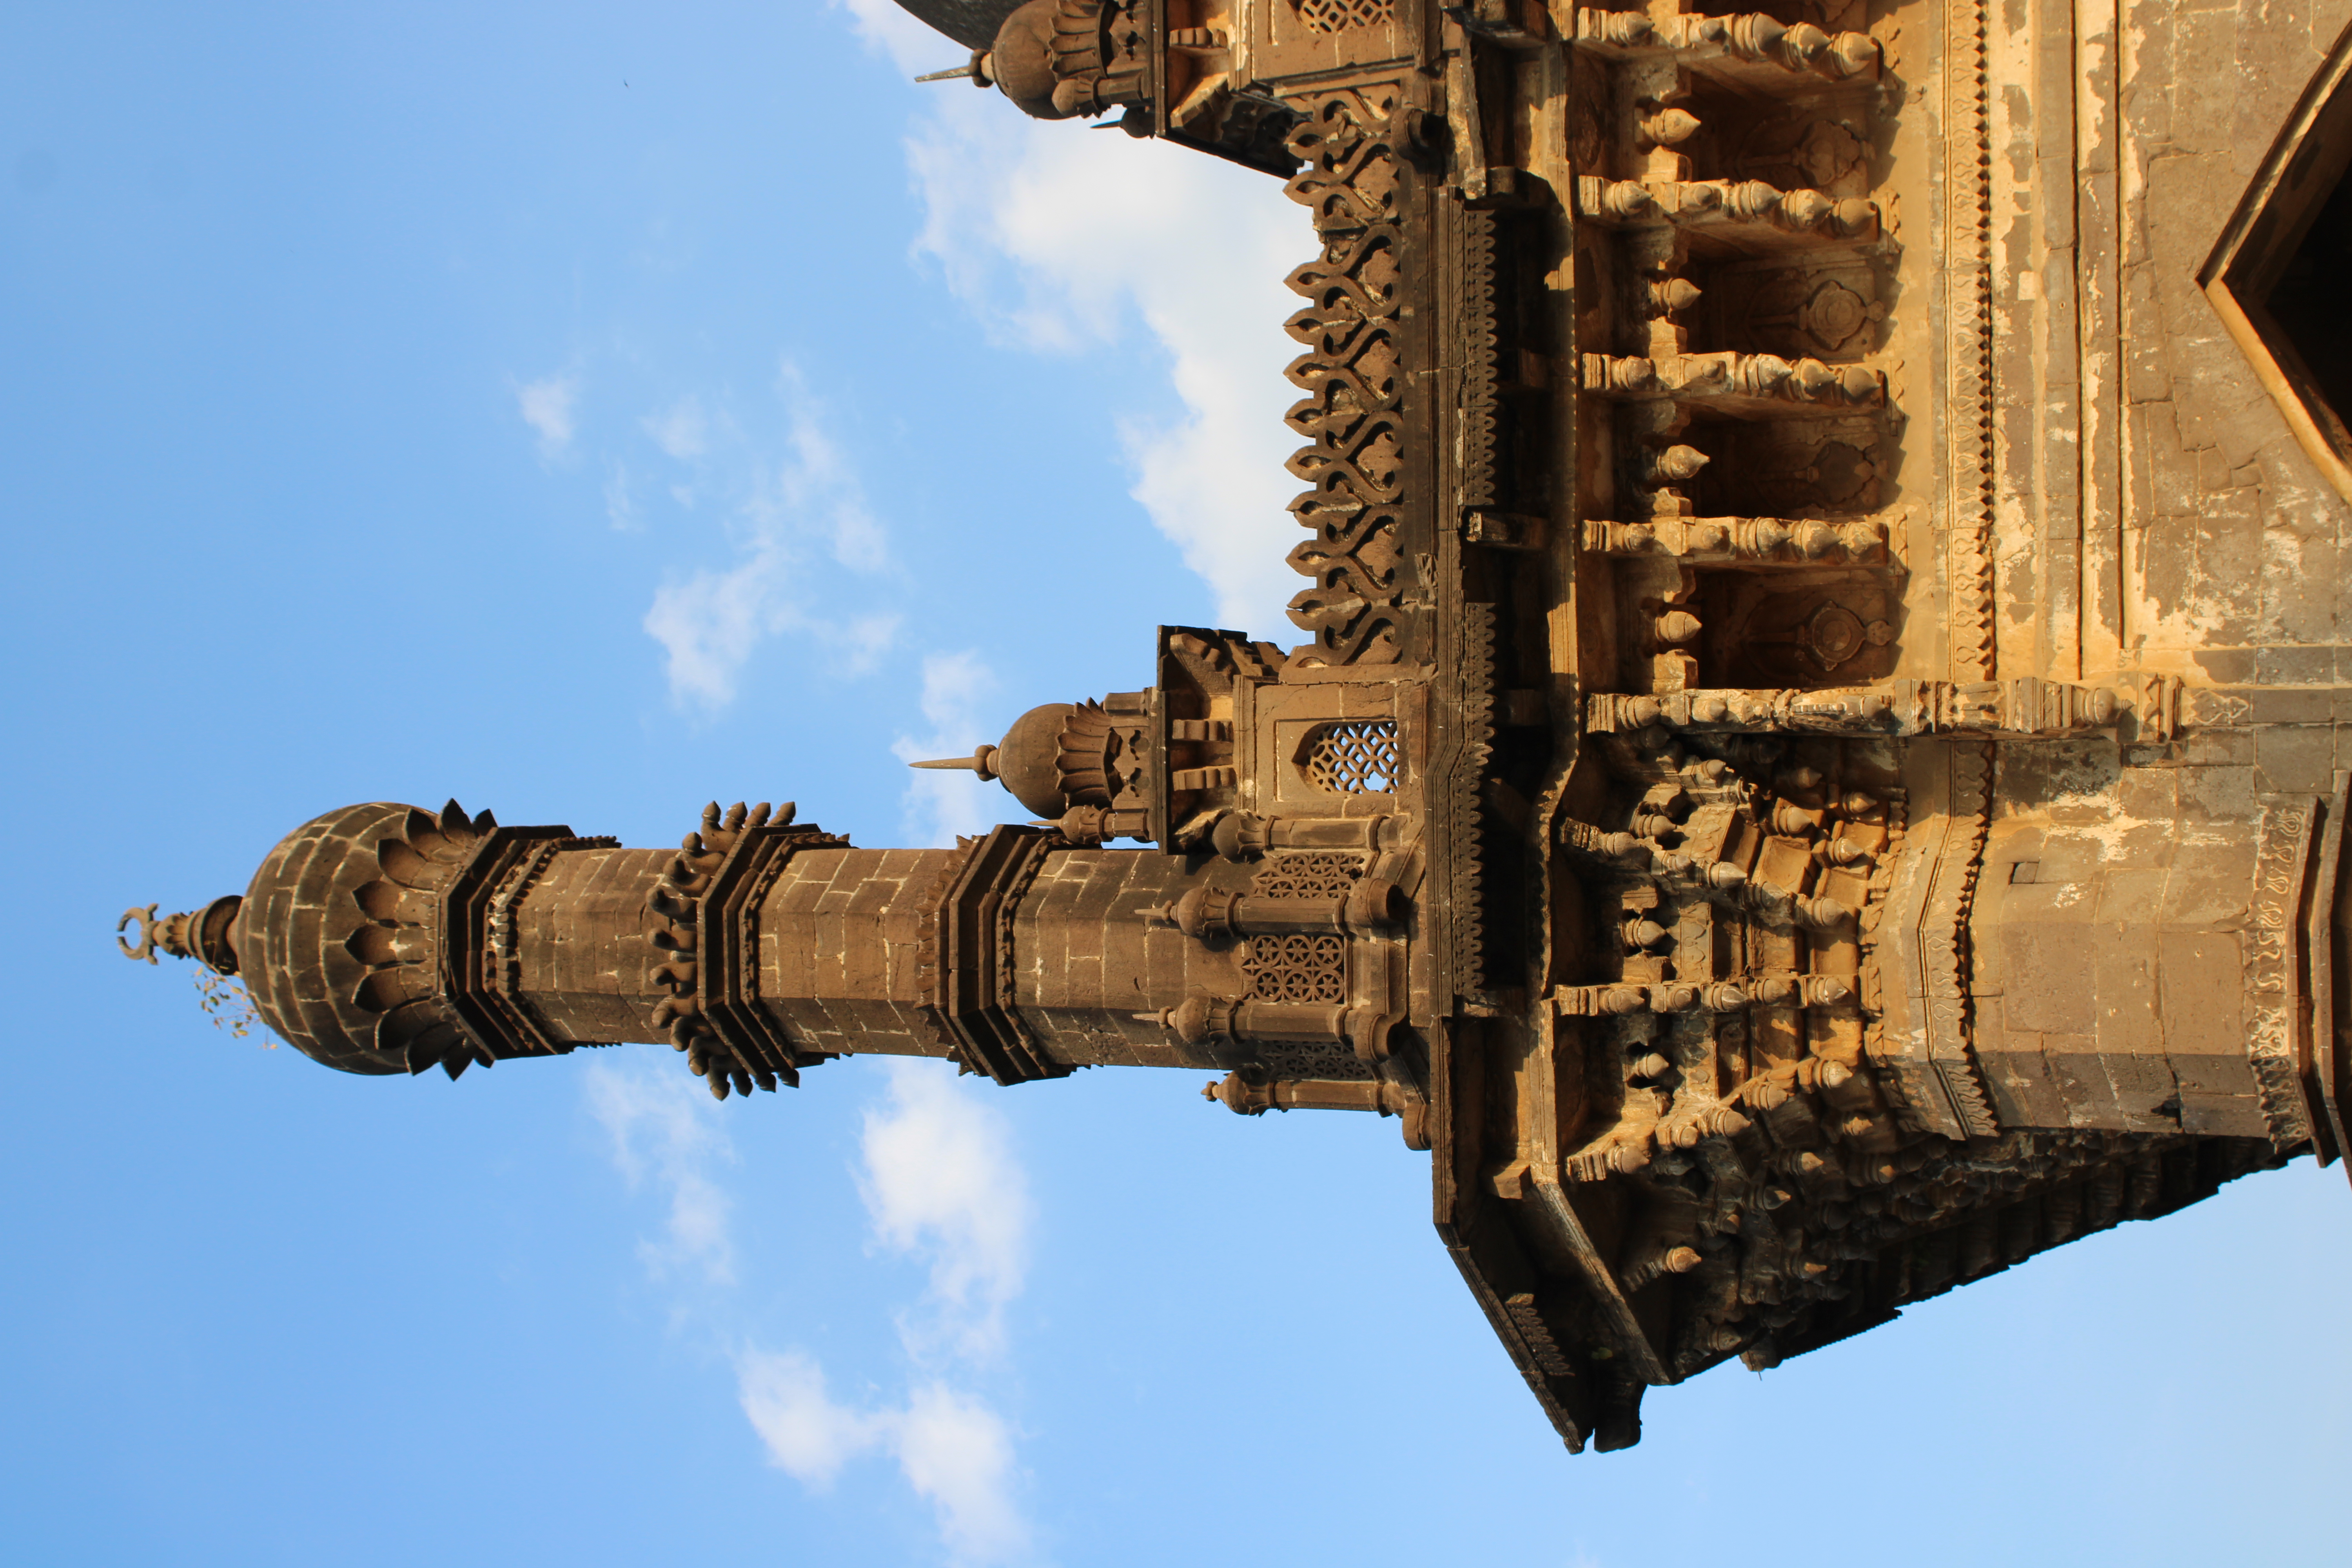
{"x": 2152, "y": 509}
{"x": 2152, "y": 512}
{"x": 2108, "y": 933}
{"x": 2230, "y": 552}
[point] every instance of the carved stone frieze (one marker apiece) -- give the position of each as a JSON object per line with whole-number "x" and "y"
{"x": 1744, "y": 541}
{"x": 1357, "y": 374}
{"x": 2024, "y": 707}
{"x": 1968, "y": 337}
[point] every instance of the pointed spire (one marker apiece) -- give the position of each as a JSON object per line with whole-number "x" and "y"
{"x": 979, "y": 70}
{"x": 981, "y": 762}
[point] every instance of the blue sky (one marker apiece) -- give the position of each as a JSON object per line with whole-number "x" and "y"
{"x": 592, "y": 410}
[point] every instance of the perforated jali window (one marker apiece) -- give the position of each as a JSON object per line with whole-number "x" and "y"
{"x": 1355, "y": 758}
{"x": 1303, "y": 967}
{"x": 1298, "y": 968}
{"x": 1313, "y": 875}
{"x": 1339, "y": 16}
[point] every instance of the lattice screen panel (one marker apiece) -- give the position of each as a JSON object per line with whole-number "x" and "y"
{"x": 1355, "y": 758}
{"x": 1339, "y": 16}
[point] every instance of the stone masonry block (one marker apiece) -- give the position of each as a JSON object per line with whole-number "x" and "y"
{"x": 2294, "y": 759}
{"x": 2080, "y": 1079}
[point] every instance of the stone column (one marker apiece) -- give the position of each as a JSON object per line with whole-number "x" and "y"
{"x": 385, "y": 939}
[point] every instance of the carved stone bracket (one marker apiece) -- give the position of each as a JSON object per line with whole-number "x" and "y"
{"x": 1372, "y": 903}
{"x": 1621, "y": 999}
{"x": 1249, "y": 1095}
{"x": 1235, "y": 1023}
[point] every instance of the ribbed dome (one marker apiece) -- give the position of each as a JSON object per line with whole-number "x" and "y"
{"x": 339, "y": 938}
{"x": 1022, "y": 60}
{"x": 1027, "y": 761}
{"x": 971, "y": 22}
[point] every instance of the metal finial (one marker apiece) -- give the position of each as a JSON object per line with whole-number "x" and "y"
{"x": 145, "y": 947}
{"x": 200, "y": 934}
{"x": 974, "y": 70}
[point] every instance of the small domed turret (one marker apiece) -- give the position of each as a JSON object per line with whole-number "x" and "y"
{"x": 1056, "y": 60}
{"x": 1024, "y": 759}
{"x": 1054, "y": 757}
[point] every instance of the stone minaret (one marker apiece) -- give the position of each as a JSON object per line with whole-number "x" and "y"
{"x": 386, "y": 939}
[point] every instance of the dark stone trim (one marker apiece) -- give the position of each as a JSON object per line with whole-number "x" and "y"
{"x": 468, "y": 982}
{"x": 729, "y": 955}
{"x": 971, "y": 998}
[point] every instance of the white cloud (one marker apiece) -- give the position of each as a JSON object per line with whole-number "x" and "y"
{"x": 942, "y": 804}
{"x": 547, "y": 406}
{"x": 808, "y": 1436}
{"x": 942, "y": 1185}
{"x": 957, "y": 1454}
{"x": 803, "y": 497}
{"x": 709, "y": 624}
{"x": 681, "y": 430}
{"x": 856, "y": 645}
{"x": 955, "y": 1451}
{"x": 1054, "y": 236}
{"x": 620, "y": 502}
{"x": 663, "y": 1130}
{"x": 954, "y": 683}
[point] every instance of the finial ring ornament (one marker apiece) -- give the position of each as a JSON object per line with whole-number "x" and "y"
{"x": 145, "y": 947}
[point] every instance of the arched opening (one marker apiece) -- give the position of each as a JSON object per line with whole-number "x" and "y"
{"x": 2281, "y": 275}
